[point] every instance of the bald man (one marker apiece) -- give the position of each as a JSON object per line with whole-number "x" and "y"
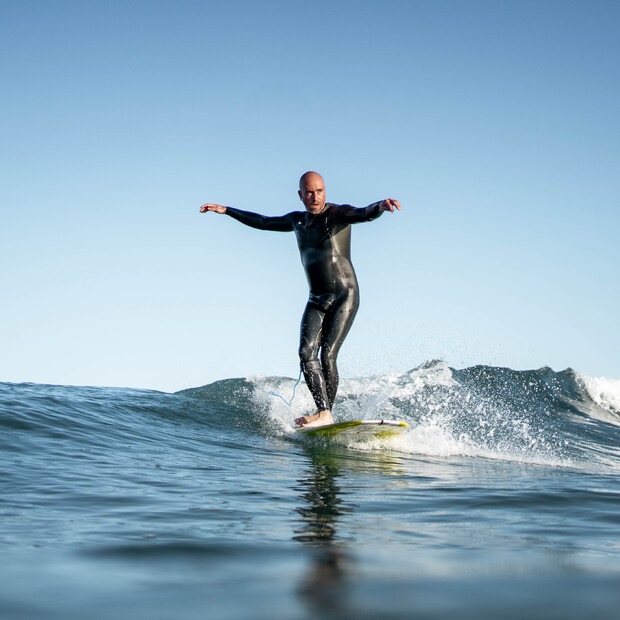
{"x": 323, "y": 234}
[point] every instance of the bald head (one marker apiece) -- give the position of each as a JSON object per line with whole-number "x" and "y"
{"x": 312, "y": 192}
{"x": 309, "y": 177}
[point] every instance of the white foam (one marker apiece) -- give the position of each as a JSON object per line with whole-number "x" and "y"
{"x": 373, "y": 394}
{"x": 358, "y": 398}
{"x": 444, "y": 418}
{"x": 435, "y": 440}
{"x": 277, "y": 407}
{"x": 603, "y": 391}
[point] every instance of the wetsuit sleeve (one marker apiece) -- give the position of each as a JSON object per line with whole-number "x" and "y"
{"x": 353, "y": 215}
{"x": 280, "y": 223}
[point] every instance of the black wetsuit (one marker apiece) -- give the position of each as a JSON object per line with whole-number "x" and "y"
{"x": 324, "y": 242}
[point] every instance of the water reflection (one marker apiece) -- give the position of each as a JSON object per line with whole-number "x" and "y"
{"x": 324, "y": 588}
{"x": 323, "y": 501}
{"x": 334, "y": 475}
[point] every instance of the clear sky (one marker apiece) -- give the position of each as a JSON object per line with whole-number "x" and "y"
{"x": 495, "y": 123}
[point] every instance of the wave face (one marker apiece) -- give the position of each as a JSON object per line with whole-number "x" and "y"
{"x": 558, "y": 418}
{"x": 538, "y": 416}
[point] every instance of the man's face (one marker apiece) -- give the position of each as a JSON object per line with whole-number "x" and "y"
{"x": 312, "y": 194}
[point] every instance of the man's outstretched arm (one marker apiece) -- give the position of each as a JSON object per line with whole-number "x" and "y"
{"x": 281, "y": 223}
{"x": 354, "y": 215}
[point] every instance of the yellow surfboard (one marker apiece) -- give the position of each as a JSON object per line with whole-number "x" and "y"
{"x": 357, "y": 429}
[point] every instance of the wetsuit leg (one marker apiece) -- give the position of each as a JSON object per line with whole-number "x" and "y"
{"x": 336, "y": 326}
{"x": 310, "y": 341}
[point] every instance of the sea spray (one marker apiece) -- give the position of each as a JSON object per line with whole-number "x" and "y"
{"x": 524, "y": 416}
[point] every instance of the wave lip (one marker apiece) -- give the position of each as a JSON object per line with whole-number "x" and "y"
{"x": 604, "y": 392}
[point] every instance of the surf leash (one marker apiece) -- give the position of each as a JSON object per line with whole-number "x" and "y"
{"x": 288, "y": 402}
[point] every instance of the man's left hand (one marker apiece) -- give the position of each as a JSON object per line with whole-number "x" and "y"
{"x": 388, "y": 205}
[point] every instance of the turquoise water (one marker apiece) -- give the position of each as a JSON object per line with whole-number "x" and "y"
{"x": 502, "y": 500}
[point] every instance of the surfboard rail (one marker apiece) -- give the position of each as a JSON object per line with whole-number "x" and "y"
{"x": 357, "y": 429}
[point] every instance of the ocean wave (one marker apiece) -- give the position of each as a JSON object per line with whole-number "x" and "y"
{"x": 536, "y": 416}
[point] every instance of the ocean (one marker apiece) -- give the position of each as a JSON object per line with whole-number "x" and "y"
{"x": 501, "y": 501}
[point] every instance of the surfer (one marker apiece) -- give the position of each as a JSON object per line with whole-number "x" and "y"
{"x": 323, "y": 234}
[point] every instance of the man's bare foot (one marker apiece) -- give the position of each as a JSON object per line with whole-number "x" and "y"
{"x": 322, "y": 418}
{"x": 306, "y": 419}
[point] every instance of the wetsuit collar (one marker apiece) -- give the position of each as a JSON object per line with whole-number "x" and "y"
{"x": 323, "y": 212}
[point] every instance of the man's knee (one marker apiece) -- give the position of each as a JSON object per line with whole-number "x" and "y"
{"x": 307, "y": 353}
{"x": 311, "y": 365}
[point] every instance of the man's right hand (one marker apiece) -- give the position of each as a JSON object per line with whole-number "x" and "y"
{"x": 212, "y": 207}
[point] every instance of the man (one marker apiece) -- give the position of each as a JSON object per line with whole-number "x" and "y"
{"x": 323, "y": 234}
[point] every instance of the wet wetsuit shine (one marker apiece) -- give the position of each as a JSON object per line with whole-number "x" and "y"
{"x": 324, "y": 242}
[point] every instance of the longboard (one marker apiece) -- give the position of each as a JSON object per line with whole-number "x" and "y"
{"x": 357, "y": 429}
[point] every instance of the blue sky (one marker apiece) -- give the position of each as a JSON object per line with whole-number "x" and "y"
{"x": 494, "y": 123}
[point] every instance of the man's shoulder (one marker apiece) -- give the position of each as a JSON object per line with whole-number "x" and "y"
{"x": 337, "y": 212}
{"x": 296, "y": 218}
{"x": 335, "y": 207}
{"x": 295, "y": 215}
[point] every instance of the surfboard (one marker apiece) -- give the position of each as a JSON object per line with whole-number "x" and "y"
{"x": 357, "y": 429}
